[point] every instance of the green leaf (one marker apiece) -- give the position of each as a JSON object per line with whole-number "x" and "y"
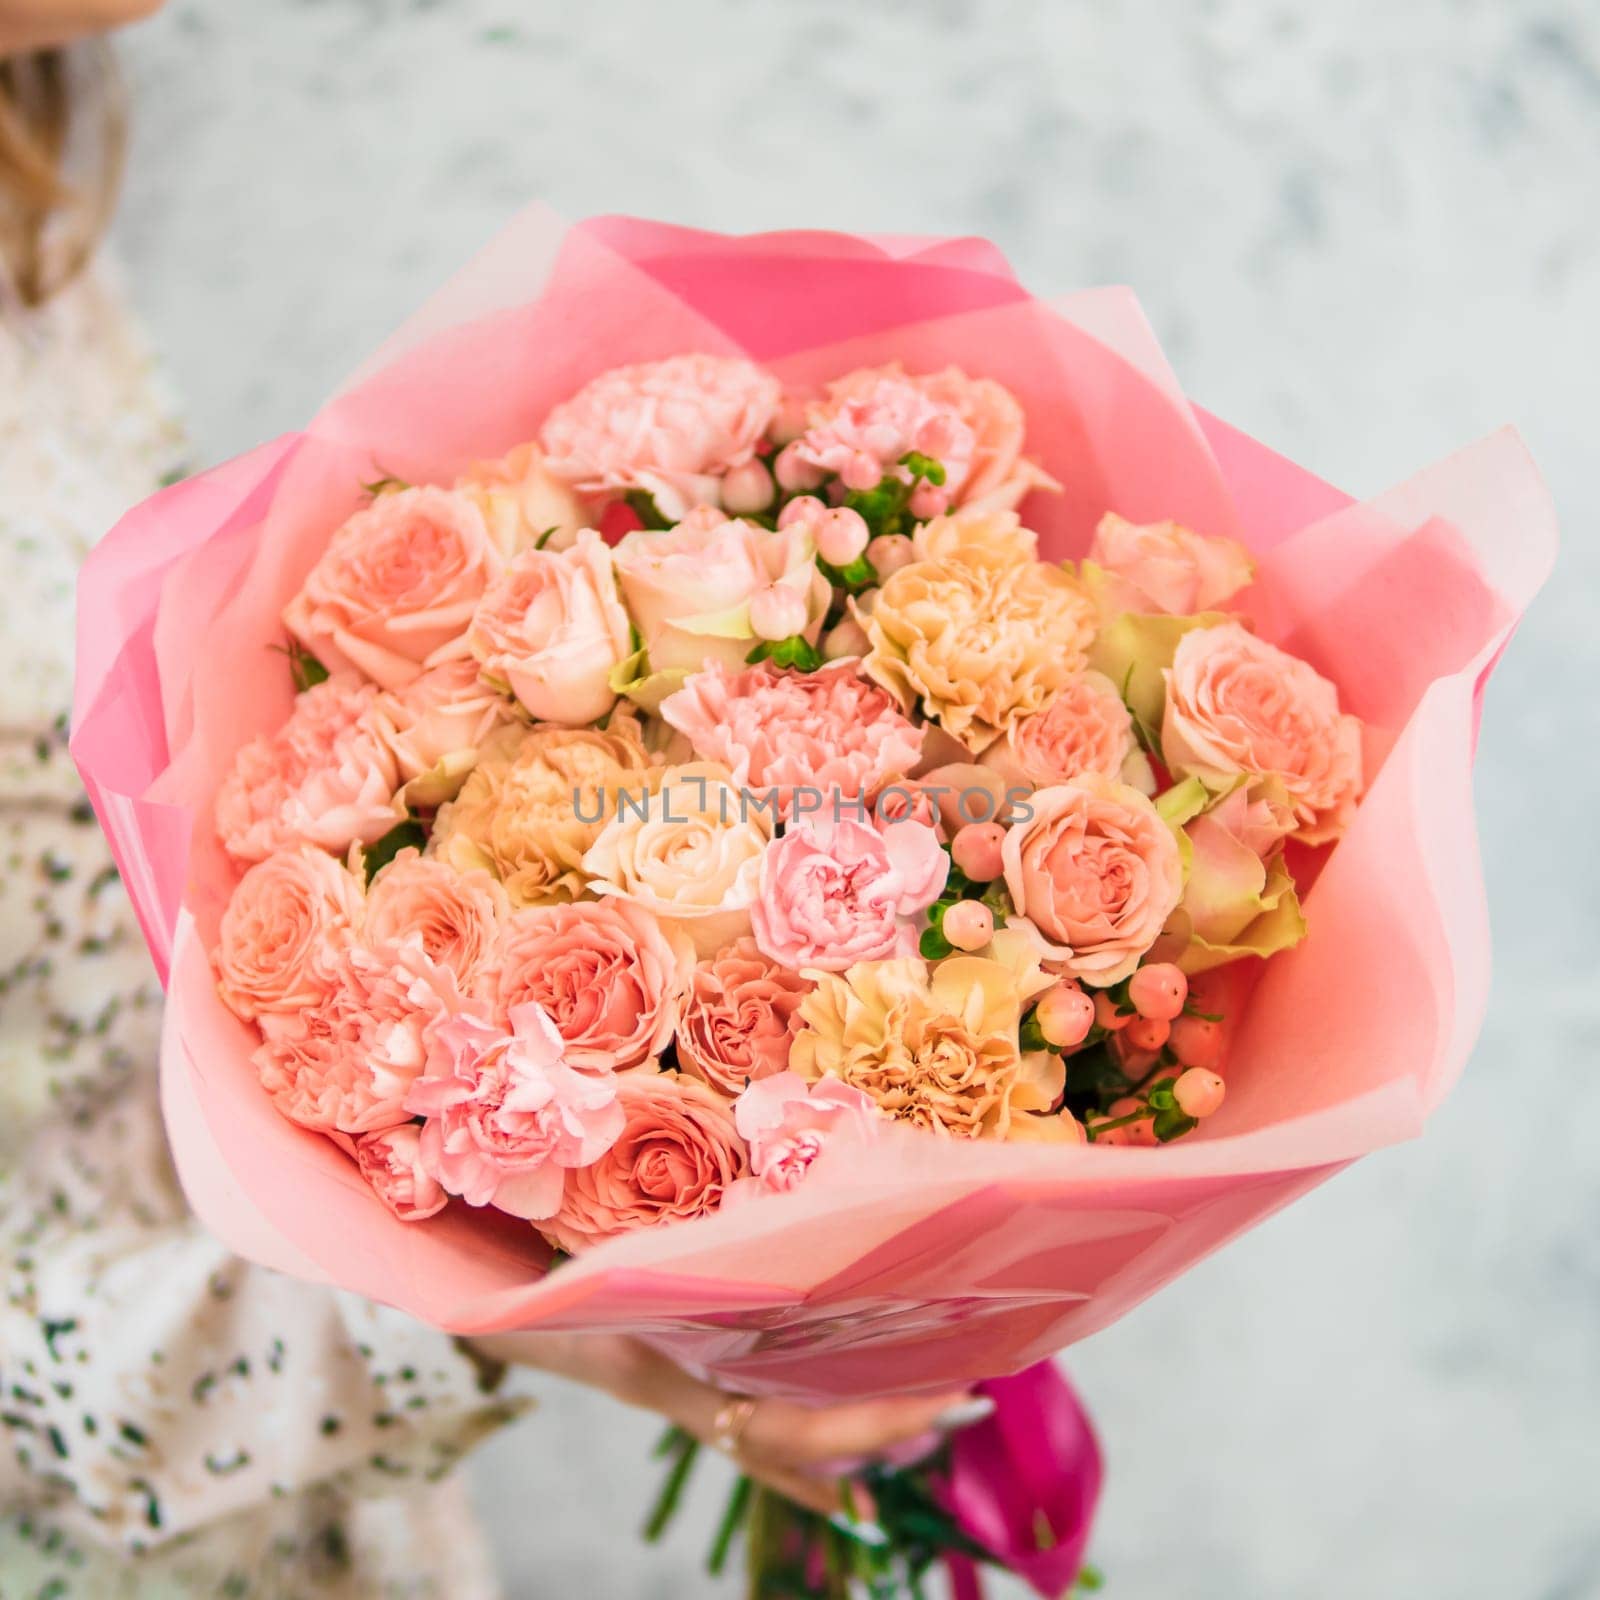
{"x": 860, "y": 574}
{"x": 385, "y": 484}
{"x": 545, "y": 537}
{"x": 407, "y": 835}
{"x": 1172, "y": 1124}
{"x": 933, "y": 945}
{"x": 795, "y": 651}
{"x": 921, "y": 466}
{"x": 643, "y": 505}
{"x": 305, "y": 671}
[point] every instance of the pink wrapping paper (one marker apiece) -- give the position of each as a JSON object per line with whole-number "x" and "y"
{"x": 937, "y": 1262}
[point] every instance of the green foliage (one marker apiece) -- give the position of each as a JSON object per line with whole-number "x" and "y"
{"x": 407, "y": 835}
{"x": 795, "y": 651}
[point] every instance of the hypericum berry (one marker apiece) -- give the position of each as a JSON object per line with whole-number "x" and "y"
{"x": 1065, "y": 1015}
{"x": 1195, "y": 1041}
{"x": 1107, "y": 1015}
{"x": 1199, "y": 1092}
{"x": 841, "y": 535}
{"x": 1158, "y": 991}
{"x": 968, "y": 924}
{"x": 862, "y": 472}
{"x": 747, "y": 488}
{"x": 928, "y": 500}
{"x": 1141, "y": 1132}
{"x": 777, "y": 612}
{"x": 889, "y": 552}
{"x": 1147, "y": 1033}
{"x": 794, "y": 473}
{"x": 976, "y": 850}
{"x": 803, "y": 508}
{"x": 847, "y": 638}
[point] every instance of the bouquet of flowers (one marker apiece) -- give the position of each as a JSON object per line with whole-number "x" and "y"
{"x": 774, "y": 774}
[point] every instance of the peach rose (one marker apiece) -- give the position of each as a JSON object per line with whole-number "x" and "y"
{"x": 678, "y": 1154}
{"x": 1085, "y": 727}
{"x": 688, "y": 589}
{"x": 738, "y": 1017}
{"x": 522, "y": 502}
{"x": 787, "y": 1124}
{"x": 507, "y": 1115}
{"x": 672, "y": 428}
{"x": 1096, "y": 872}
{"x": 436, "y": 726}
{"x": 606, "y": 974}
{"x": 835, "y": 891}
{"x": 1238, "y": 705}
{"x": 391, "y": 1161}
{"x": 397, "y": 585}
{"x": 552, "y": 628}
{"x": 1165, "y": 567}
{"x": 284, "y": 932}
{"x": 456, "y": 915}
{"x": 979, "y": 638}
{"x": 347, "y": 1064}
{"x": 537, "y": 800}
{"x": 688, "y": 851}
{"x": 324, "y": 778}
{"x": 776, "y": 728}
{"x": 936, "y": 1049}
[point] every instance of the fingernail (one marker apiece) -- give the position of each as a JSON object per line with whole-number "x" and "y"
{"x": 866, "y": 1532}
{"x": 954, "y": 1418}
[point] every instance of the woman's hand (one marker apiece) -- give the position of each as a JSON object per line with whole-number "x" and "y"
{"x": 786, "y": 1446}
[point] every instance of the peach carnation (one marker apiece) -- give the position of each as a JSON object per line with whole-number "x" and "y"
{"x": 324, "y": 778}
{"x": 607, "y": 975}
{"x": 457, "y": 915}
{"x": 830, "y": 731}
{"x": 678, "y": 1154}
{"x": 284, "y": 932}
{"x": 672, "y": 428}
{"x": 1238, "y": 705}
{"x": 979, "y": 639}
{"x": 738, "y": 1017}
{"x": 397, "y": 585}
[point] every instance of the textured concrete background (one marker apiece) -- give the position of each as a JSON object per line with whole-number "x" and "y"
{"x": 1366, "y": 232}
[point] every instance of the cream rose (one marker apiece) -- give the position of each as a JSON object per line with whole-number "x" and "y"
{"x": 397, "y": 585}
{"x": 536, "y": 801}
{"x": 522, "y": 502}
{"x": 553, "y": 630}
{"x": 1237, "y": 705}
{"x": 688, "y": 851}
{"x": 436, "y": 726}
{"x": 979, "y": 638}
{"x": 1097, "y": 872}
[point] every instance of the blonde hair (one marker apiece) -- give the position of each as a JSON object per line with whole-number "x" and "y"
{"x": 63, "y": 126}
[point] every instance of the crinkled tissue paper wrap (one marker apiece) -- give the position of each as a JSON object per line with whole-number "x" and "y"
{"x": 934, "y": 1261}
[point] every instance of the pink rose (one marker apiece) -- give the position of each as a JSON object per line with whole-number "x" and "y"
{"x": 1096, "y": 872}
{"x": 324, "y": 778}
{"x": 689, "y": 589}
{"x": 435, "y": 726}
{"x": 678, "y": 1154}
{"x": 1238, "y": 705}
{"x": 456, "y": 915}
{"x": 672, "y": 428}
{"x": 507, "y": 1116}
{"x": 391, "y": 1161}
{"x": 739, "y": 1017}
{"x": 605, "y": 973}
{"x": 776, "y": 728}
{"x": 788, "y": 1123}
{"x": 522, "y": 502}
{"x": 347, "y": 1064}
{"x": 553, "y": 628}
{"x": 397, "y": 585}
{"x": 1084, "y": 727}
{"x": 1165, "y": 567}
{"x": 834, "y": 892}
{"x": 284, "y": 933}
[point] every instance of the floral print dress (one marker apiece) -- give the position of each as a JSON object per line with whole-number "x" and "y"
{"x": 173, "y": 1421}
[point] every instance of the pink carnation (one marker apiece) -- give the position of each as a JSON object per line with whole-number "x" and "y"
{"x": 776, "y": 728}
{"x": 507, "y": 1115}
{"x": 391, "y": 1161}
{"x": 456, "y": 915}
{"x": 672, "y": 428}
{"x": 284, "y": 933}
{"x": 397, "y": 585}
{"x": 324, "y": 778}
{"x": 834, "y": 892}
{"x": 347, "y": 1064}
{"x": 739, "y": 1017}
{"x": 606, "y": 974}
{"x": 788, "y": 1123}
